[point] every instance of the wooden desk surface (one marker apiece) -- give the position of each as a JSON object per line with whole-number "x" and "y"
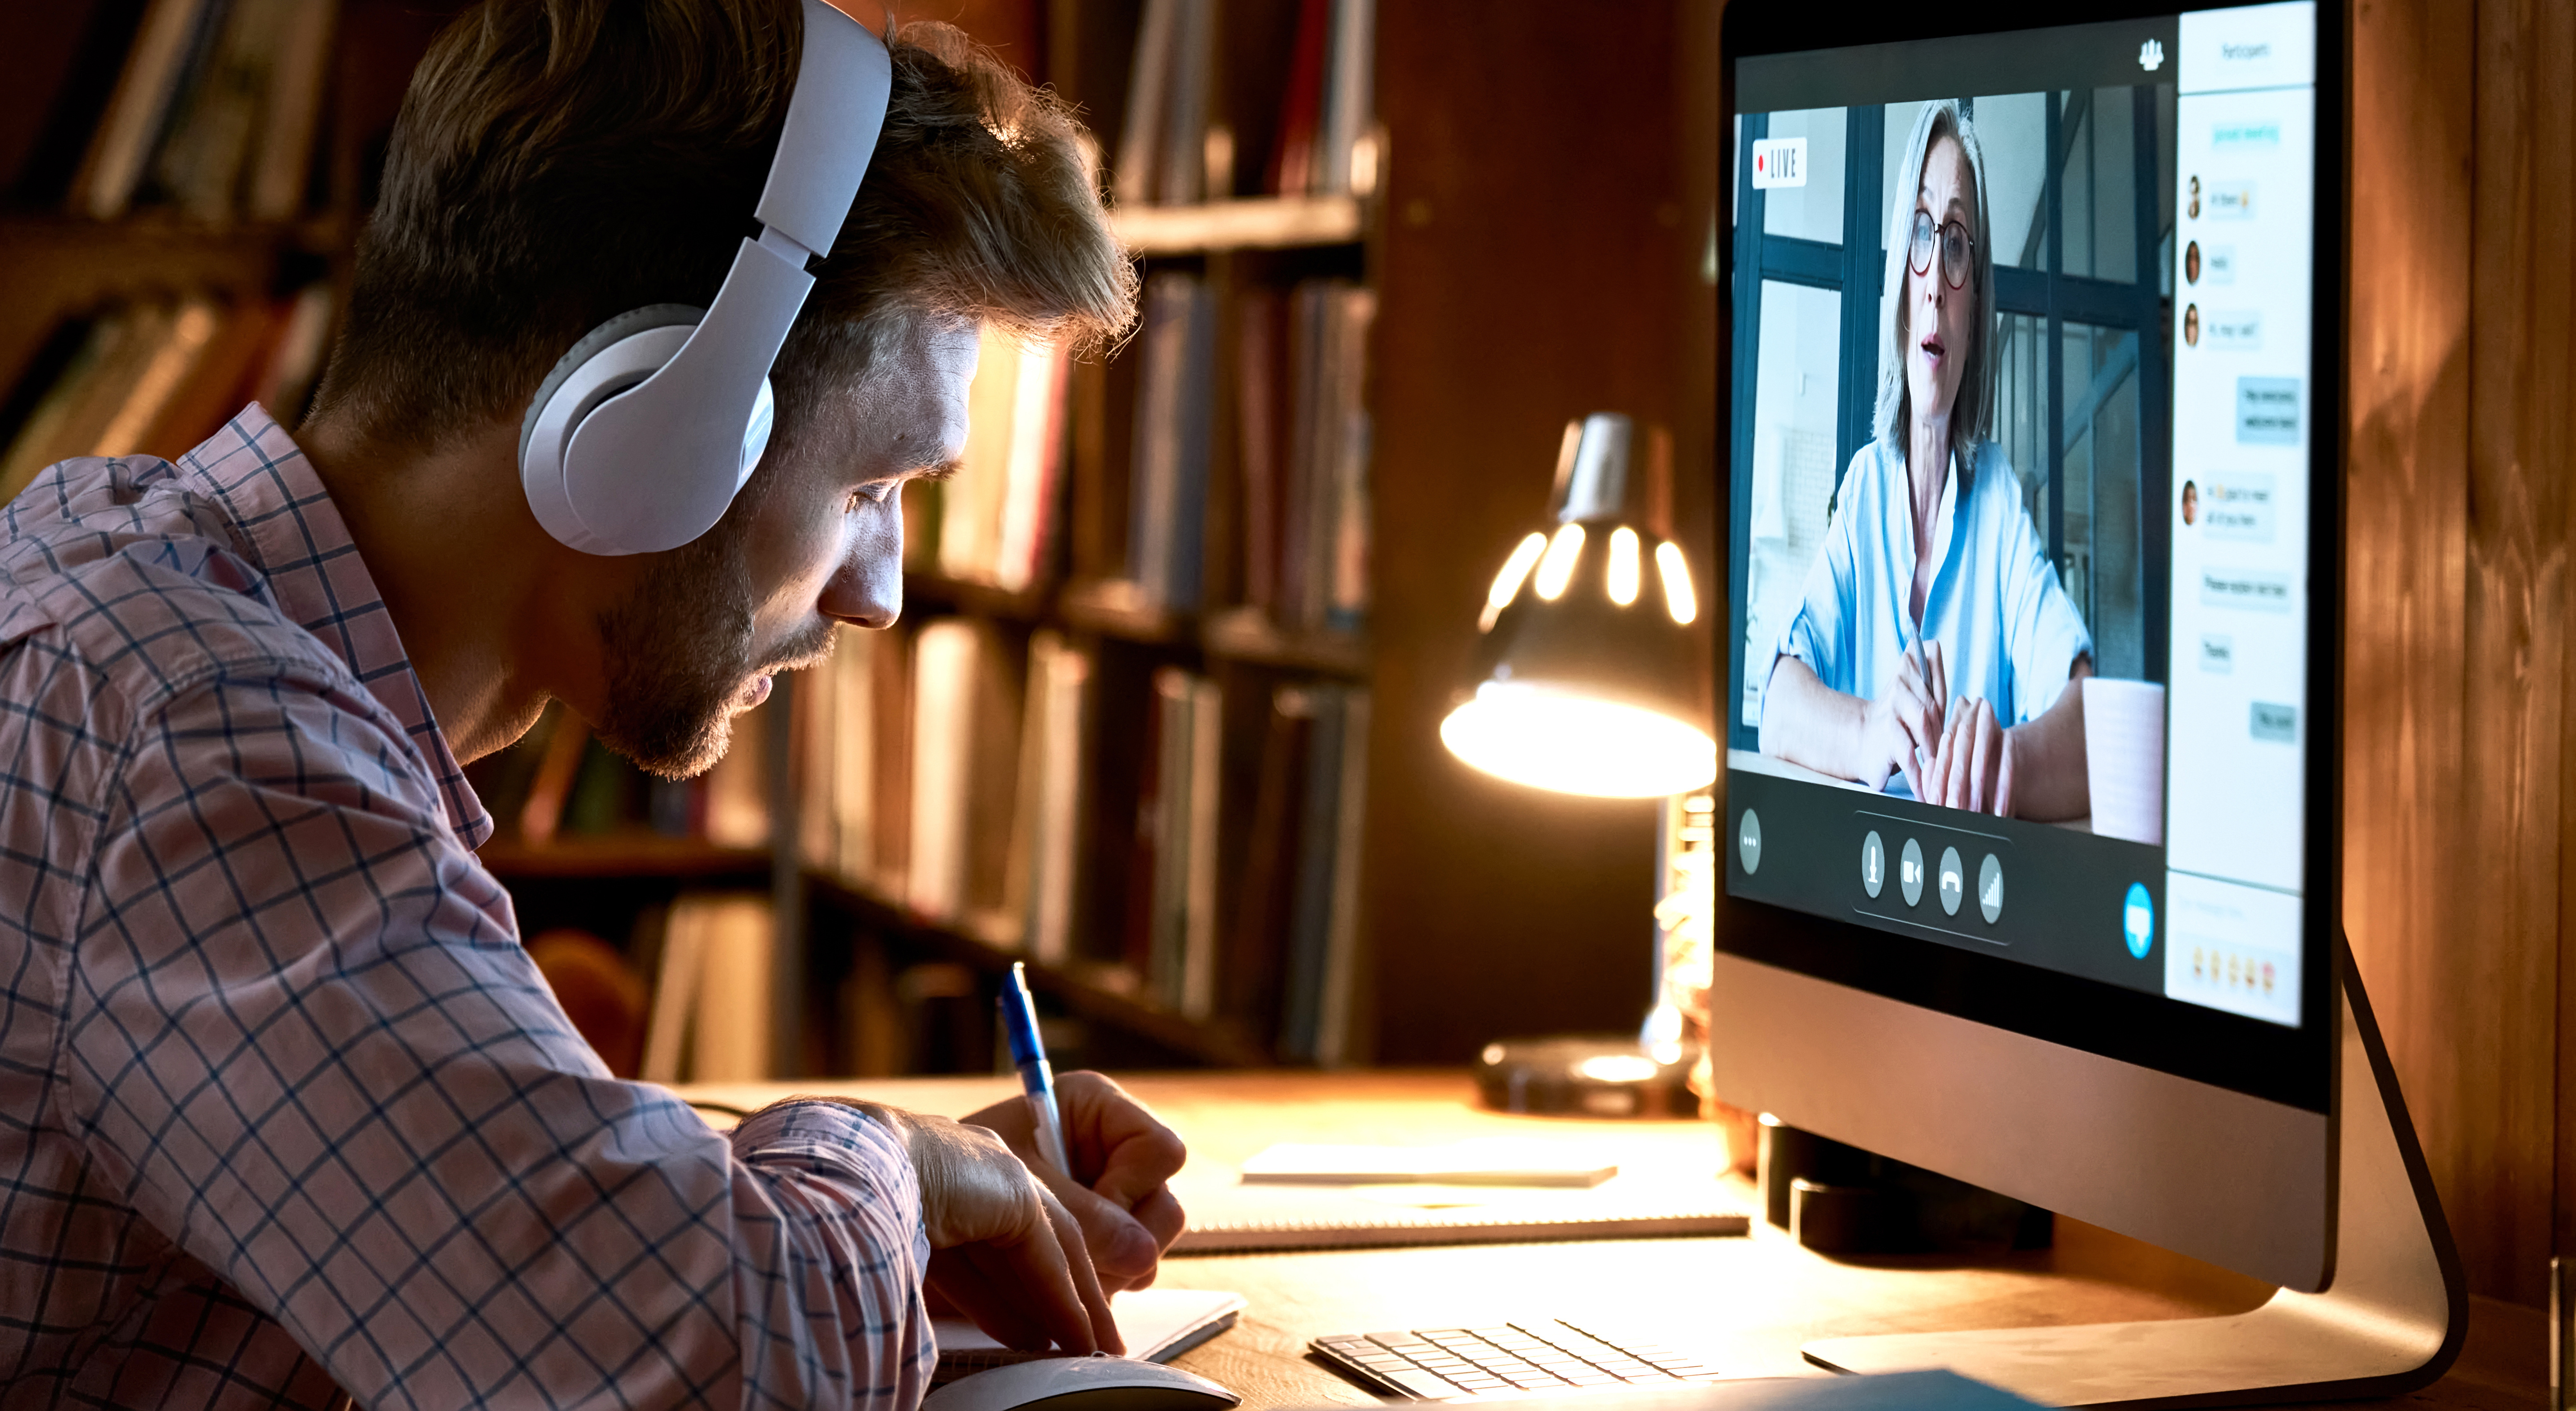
{"x": 1751, "y": 1301}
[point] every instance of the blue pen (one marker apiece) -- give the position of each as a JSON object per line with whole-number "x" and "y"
{"x": 1037, "y": 1080}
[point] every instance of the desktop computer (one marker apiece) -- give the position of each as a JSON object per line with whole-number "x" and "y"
{"x": 2033, "y": 455}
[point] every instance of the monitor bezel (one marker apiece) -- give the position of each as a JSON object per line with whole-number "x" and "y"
{"x": 2189, "y": 1041}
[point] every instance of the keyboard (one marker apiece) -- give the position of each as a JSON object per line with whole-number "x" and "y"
{"x": 1459, "y": 1364}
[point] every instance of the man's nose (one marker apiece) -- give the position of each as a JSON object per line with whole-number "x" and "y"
{"x": 867, "y": 592}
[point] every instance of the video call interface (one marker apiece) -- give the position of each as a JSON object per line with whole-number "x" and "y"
{"x": 2019, "y": 474}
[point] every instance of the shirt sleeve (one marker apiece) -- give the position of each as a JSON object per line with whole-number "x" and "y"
{"x": 1822, "y": 633}
{"x": 2043, "y": 634}
{"x": 301, "y": 1036}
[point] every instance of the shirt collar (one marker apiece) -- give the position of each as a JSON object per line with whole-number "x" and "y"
{"x": 296, "y": 536}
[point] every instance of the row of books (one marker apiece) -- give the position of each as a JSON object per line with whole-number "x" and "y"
{"x": 157, "y": 376}
{"x": 1210, "y": 857}
{"x": 558, "y": 782}
{"x": 1299, "y": 516}
{"x": 707, "y": 967}
{"x": 205, "y": 107}
{"x": 1173, "y": 151}
{"x": 995, "y": 522}
{"x": 1302, "y": 453}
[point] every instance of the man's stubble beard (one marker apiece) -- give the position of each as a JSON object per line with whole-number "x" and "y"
{"x": 679, "y": 650}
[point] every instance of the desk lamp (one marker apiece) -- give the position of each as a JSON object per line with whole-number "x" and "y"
{"x": 1586, "y": 682}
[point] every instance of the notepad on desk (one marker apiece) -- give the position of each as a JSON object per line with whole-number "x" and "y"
{"x": 1157, "y": 1324}
{"x": 1406, "y": 1198}
{"x": 1470, "y": 1163}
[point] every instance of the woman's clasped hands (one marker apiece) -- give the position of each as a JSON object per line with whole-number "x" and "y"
{"x": 1957, "y": 755}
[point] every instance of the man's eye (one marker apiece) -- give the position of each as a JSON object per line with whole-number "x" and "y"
{"x": 875, "y": 494}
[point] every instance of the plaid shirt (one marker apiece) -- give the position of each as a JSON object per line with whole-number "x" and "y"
{"x": 283, "y": 1105}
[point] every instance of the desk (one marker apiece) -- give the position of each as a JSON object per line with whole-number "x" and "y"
{"x": 1752, "y": 1301}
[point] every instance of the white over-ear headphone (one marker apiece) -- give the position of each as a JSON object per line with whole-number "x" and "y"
{"x": 644, "y": 432}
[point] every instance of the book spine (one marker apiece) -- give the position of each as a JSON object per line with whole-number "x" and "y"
{"x": 1340, "y": 981}
{"x": 1199, "y": 909}
{"x": 1174, "y": 784}
{"x": 1310, "y": 925}
{"x": 1195, "y": 414}
{"x": 1148, "y": 85}
{"x": 943, "y": 701}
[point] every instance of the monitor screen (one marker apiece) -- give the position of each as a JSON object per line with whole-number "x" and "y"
{"x": 2027, "y": 458}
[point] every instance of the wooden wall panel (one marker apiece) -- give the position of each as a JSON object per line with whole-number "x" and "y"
{"x": 1536, "y": 266}
{"x": 2457, "y": 853}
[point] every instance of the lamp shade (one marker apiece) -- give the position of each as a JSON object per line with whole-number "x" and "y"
{"x": 1585, "y": 675}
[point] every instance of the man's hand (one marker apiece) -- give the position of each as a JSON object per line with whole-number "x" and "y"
{"x": 1004, "y": 1251}
{"x": 1908, "y": 718}
{"x": 1973, "y": 766}
{"x": 1122, "y": 1157}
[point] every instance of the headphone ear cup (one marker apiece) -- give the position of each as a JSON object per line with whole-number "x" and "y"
{"x": 616, "y": 330}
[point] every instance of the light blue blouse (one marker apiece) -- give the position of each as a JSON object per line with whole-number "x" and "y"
{"x": 2003, "y": 620}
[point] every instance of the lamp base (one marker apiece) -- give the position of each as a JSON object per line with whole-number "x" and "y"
{"x": 1604, "y": 1075}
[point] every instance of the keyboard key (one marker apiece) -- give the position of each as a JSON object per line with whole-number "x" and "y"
{"x": 1421, "y": 1384}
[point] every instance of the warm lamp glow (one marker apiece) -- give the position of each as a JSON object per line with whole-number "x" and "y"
{"x": 1507, "y": 583}
{"x": 1558, "y": 566}
{"x": 1678, "y": 596}
{"x": 1623, "y": 565}
{"x": 1552, "y": 738}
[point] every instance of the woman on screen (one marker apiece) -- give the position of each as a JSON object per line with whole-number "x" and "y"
{"x": 1935, "y": 646}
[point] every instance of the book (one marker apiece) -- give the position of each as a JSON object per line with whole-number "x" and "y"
{"x": 1157, "y": 1324}
{"x": 1167, "y": 901}
{"x": 1491, "y": 1162}
{"x": 1311, "y": 904}
{"x": 1348, "y": 109}
{"x": 1250, "y": 984}
{"x": 712, "y": 994}
{"x": 1175, "y": 413}
{"x": 1059, "y": 685}
{"x": 1182, "y": 174}
{"x": 1337, "y": 997}
{"x": 737, "y": 789}
{"x": 165, "y": 45}
{"x": 1292, "y": 161}
{"x": 1148, "y": 88}
{"x": 1261, "y": 416}
{"x": 997, "y": 515}
{"x": 944, "y": 660}
{"x": 282, "y": 153}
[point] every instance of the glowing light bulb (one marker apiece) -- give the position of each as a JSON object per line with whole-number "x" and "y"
{"x": 1623, "y": 565}
{"x": 1557, "y": 567}
{"x": 1551, "y": 738}
{"x": 1678, "y": 597}
{"x": 1507, "y": 583}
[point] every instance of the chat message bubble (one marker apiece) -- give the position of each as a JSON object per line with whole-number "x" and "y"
{"x": 2267, "y": 411}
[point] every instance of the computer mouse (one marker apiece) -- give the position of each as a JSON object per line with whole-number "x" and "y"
{"x": 1081, "y": 1384}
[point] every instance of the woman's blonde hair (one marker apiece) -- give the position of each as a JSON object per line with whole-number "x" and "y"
{"x": 1972, "y": 417}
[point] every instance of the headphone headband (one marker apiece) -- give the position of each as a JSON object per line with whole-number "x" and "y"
{"x": 652, "y": 463}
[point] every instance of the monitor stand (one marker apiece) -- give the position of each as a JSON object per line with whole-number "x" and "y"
{"x": 2390, "y": 1321}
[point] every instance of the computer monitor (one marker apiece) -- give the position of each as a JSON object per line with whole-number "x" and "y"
{"x": 2032, "y": 454}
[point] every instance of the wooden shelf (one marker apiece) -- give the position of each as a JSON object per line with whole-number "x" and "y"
{"x": 1118, "y": 608}
{"x": 1092, "y": 992}
{"x": 621, "y": 855}
{"x": 1258, "y": 223}
{"x": 1247, "y": 635}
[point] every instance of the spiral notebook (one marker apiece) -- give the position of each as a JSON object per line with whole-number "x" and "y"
{"x": 1445, "y": 1202}
{"x": 1157, "y": 1324}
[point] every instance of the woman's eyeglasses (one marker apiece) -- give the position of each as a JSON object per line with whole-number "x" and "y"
{"x": 1955, "y": 243}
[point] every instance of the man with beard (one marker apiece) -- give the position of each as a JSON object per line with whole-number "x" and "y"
{"x": 286, "y": 1115}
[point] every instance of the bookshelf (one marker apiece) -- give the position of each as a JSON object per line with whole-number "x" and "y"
{"x": 1461, "y": 321}
{"x": 1249, "y": 223}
